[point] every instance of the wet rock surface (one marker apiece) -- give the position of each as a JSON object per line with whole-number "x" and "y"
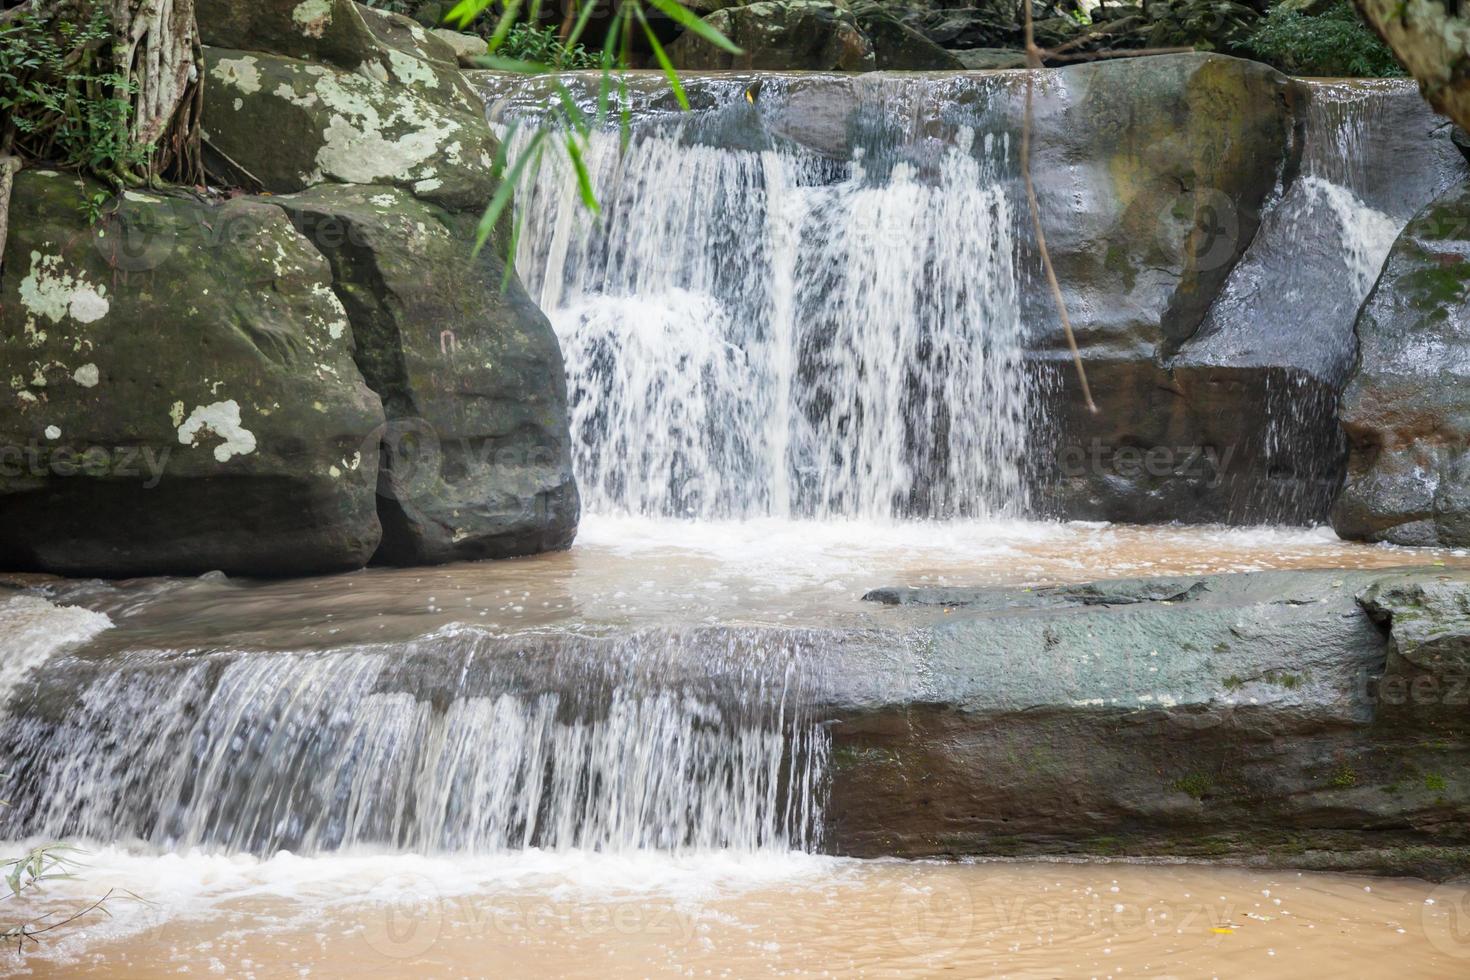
{"x": 1307, "y": 719}
{"x": 1405, "y": 410}
{"x": 477, "y": 457}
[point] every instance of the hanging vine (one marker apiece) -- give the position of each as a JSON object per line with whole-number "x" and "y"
{"x": 110, "y": 88}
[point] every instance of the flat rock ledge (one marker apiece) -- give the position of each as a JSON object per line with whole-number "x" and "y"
{"x": 1309, "y": 719}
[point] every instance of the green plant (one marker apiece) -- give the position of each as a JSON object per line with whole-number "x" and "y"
{"x": 61, "y": 100}
{"x": 1434, "y": 782}
{"x": 1334, "y": 42}
{"x": 91, "y": 207}
{"x": 570, "y": 125}
{"x": 540, "y": 45}
{"x": 46, "y": 862}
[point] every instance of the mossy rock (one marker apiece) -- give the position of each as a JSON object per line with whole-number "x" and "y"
{"x": 341, "y": 33}
{"x": 291, "y": 124}
{"x": 181, "y": 394}
{"x": 470, "y": 373}
{"x": 780, "y": 35}
{"x": 1406, "y": 409}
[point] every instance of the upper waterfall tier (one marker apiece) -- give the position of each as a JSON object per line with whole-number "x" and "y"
{"x": 772, "y": 332}
{"x": 820, "y": 295}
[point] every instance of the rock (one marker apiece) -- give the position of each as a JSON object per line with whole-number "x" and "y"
{"x": 781, "y": 35}
{"x": 985, "y": 59}
{"x": 897, "y": 47}
{"x": 1428, "y": 618}
{"x": 1461, "y": 139}
{"x": 1152, "y": 174}
{"x": 407, "y": 36}
{"x": 181, "y": 392}
{"x": 328, "y": 31}
{"x": 1266, "y": 717}
{"x": 292, "y": 124}
{"x": 981, "y": 24}
{"x": 467, "y": 47}
{"x": 472, "y": 380}
{"x": 1406, "y": 409}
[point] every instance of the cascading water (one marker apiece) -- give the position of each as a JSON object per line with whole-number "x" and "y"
{"x": 769, "y": 332}
{"x": 752, "y": 328}
{"x": 1333, "y": 222}
{"x": 459, "y": 741}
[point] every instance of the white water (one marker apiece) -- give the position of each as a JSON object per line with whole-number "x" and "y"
{"x": 455, "y": 742}
{"x": 34, "y": 630}
{"x": 1340, "y": 121}
{"x": 771, "y": 334}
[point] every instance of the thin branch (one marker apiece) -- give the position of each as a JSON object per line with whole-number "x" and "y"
{"x": 1033, "y": 64}
{"x": 1116, "y": 53}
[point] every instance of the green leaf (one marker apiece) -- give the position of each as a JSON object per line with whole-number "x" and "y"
{"x": 681, "y": 14}
{"x": 504, "y": 24}
{"x": 573, "y": 113}
{"x": 664, "y": 62}
{"x": 584, "y": 181}
{"x": 589, "y": 7}
{"x": 510, "y": 252}
{"x": 516, "y": 65}
{"x": 463, "y": 14}
{"x": 505, "y": 193}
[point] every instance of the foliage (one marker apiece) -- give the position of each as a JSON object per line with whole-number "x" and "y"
{"x": 61, "y": 100}
{"x": 29, "y": 872}
{"x": 1206, "y": 25}
{"x": 526, "y": 42}
{"x": 1335, "y": 42}
{"x": 569, "y": 122}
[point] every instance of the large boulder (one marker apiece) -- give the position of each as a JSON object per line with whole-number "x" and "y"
{"x": 341, "y": 33}
{"x": 780, "y": 35}
{"x": 898, "y": 47}
{"x": 181, "y": 391}
{"x": 1152, "y": 175}
{"x": 290, "y": 124}
{"x": 1406, "y": 409}
{"x": 477, "y": 459}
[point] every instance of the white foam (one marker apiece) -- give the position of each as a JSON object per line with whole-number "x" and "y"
{"x": 197, "y": 886}
{"x": 35, "y": 629}
{"x": 745, "y": 336}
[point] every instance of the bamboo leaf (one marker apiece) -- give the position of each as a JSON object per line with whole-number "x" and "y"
{"x": 463, "y": 14}
{"x": 682, "y": 15}
{"x": 664, "y": 62}
{"x": 505, "y": 193}
{"x": 573, "y": 112}
{"x": 584, "y": 180}
{"x": 504, "y": 24}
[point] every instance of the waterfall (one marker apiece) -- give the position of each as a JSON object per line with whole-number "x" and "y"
{"x": 458, "y": 742}
{"x": 773, "y": 332}
{"x": 1367, "y": 163}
